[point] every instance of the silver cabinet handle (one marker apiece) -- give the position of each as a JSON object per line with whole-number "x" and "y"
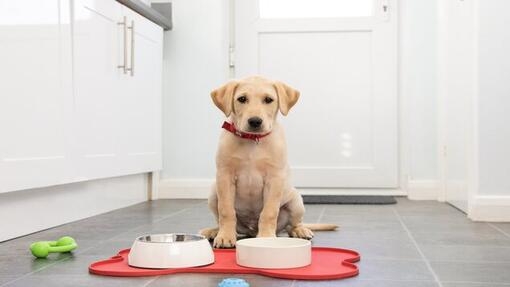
{"x": 131, "y": 69}
{"x": 124, "y": 64}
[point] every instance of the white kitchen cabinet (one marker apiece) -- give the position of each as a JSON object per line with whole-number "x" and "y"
{"x": 97, "y": 42}
{"x": 118, "y": 56}
{"x": 35, "y": 93}
{"x": 141, "y": 100}
{"x": 68, "y": 110}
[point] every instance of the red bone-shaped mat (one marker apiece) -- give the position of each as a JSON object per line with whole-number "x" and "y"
{"x": 327, "y": 263}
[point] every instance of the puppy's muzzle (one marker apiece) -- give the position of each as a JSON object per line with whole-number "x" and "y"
{"x": 255, "y": 123}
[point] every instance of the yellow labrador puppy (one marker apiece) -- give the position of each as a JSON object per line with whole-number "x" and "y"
{"x": 252, "y": 195}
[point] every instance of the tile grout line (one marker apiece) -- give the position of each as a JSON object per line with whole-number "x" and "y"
{"x": 413, "y": 240}
{"x": 393, "y": 280}
{"x": 498, "y": 229}
{"x": 90, "y": 247}
{"x": 476, "y": 282}
{"x": 150, "y": 281}
{"x": 321, "y": 215}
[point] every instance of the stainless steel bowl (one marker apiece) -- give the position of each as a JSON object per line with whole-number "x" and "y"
{"x": 173, "y": 250}
{"x": 170, "y": 237}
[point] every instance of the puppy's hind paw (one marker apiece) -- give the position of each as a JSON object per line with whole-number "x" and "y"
{"x": 209, "y": 233}
{"x": 301, "y": 232}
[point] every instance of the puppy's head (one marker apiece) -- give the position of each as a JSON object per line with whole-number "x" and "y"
{"x": 253, "y": 102}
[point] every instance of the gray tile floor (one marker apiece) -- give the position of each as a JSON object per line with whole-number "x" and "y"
{"x": 412, "y": 243}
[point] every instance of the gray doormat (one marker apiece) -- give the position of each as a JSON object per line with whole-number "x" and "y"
{"x": 348, "y": 199}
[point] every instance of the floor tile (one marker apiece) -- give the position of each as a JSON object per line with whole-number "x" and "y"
{"x": 315, "y": 209}
{"x": 424, "y": 207}
{"x": 5, "y": 279}
{"x": 504, "y": 227}
{"x": 357, "y": 211}
{"x": 463, "y": 253}
{"x": 466, "y": 253}
{"x": 471, "y": 284}
{"x": 361, "y": 225}
{"x": 108, "y": 248}
{"x": 407, "y": 270}
{"x": 461, "y": 237}
{"x": 184, "y": 222}
{"x": 212, "y": 280}
{"x": 81, "y": 280}
{"x": 472, "y": 272}
{"x": 76, "y": 265}
{"x": 424, "y": 223}
{"x": 19, "y": 265}
{"x": 342, "y": 234}
{"x": 374, "y": 249}
{"x": 355, "y": 282}
{"x": 349, "y": 217}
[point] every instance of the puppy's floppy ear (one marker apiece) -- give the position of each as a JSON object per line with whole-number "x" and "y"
{"x": 287, "y": 97}
{"x": 223, "y": 97}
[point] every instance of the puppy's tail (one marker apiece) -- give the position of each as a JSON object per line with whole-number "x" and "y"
{"x": 320, "y": 226}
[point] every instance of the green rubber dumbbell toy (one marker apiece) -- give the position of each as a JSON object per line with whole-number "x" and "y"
{"x": 41, "y": 249}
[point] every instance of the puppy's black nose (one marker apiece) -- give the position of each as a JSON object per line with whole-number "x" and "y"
{"x": 255, "y": 122}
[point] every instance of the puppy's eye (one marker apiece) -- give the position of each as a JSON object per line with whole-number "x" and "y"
{"x": 268, "y": 100}
{"x": 242, "y": 99}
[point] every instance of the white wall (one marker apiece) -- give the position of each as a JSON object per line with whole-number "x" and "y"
{"x": 418, "y": 75}
{"x": 494, "y": 97}
{"x": 476, "y": 103}
{"x": 418, "y": 96}
{"x": 26, "y": 211}
{"x": 196, "y": 61}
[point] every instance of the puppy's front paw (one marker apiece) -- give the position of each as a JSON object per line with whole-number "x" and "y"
{"x": 301, "y": 232}
{"x": 225, "y": 240}
{"x": 209, "y": 233}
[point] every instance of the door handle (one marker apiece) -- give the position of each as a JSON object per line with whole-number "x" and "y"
{"x": 124, "y": 64}
{"x": 131, "y": 69}
{"x": 385, "y": 6}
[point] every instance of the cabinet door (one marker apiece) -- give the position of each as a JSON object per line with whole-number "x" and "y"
{"x": 35, "y": 93}
{"x": 98, "y": 51}
{"x": 141, "y": 102}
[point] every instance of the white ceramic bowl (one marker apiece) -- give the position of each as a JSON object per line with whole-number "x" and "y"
{"x": 274, "y": 252}
{"x": 174, "y": 250}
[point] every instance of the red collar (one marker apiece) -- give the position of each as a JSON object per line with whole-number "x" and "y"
{"x": 254, "y": 137}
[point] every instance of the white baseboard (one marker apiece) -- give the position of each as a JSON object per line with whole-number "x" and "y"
{"x": 422, "y": 190}
{"x": 200, "y": 188}
{"x": 493, "y": 208}
{"x": 194, "y": 188}
{"x": 26, "y": 211}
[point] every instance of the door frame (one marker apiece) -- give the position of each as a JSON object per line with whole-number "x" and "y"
{"x": 472, "y": 147}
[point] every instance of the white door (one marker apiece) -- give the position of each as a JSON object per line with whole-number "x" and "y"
{"x": 342, "y": 56}
{"x": 35, "y": 88}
